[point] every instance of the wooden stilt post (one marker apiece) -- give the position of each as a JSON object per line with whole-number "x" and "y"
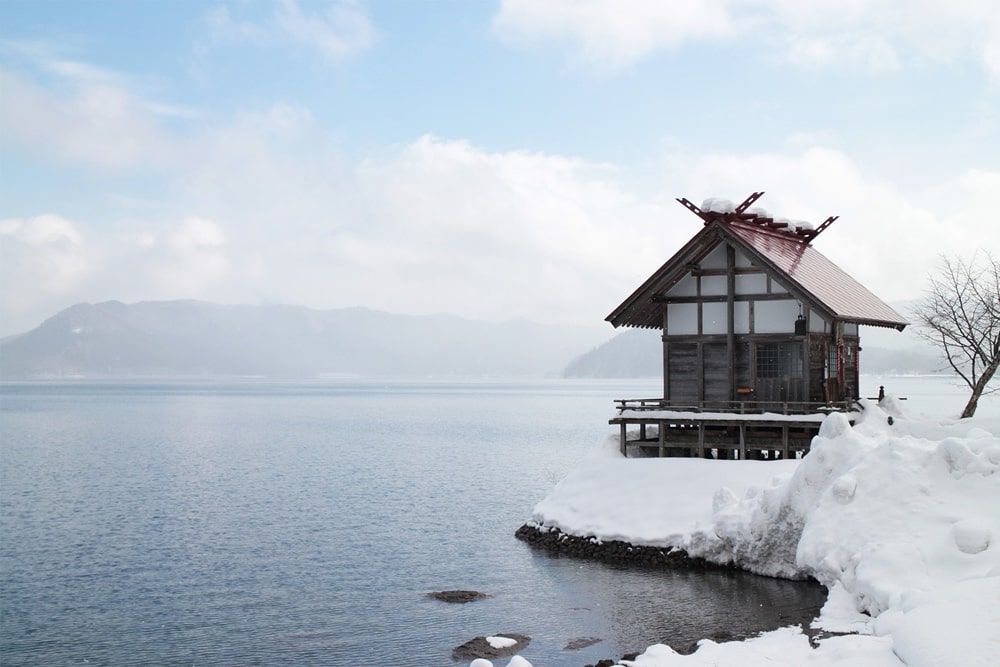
{"x": 662, "y": 436}
{"x": 624, "y": 437}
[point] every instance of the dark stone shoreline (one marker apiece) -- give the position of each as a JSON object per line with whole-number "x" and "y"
{"x": 612, "y": 551}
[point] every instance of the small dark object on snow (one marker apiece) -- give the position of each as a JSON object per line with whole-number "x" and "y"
{"x": 582, "y": 642}
{"x": 480, "y": 648}
{"x": 459, "y": 597}
{"x": 891, "y": 420}
{"x": 607, "y": 662}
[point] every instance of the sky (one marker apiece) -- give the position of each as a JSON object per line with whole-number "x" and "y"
{"x": 493, "y": 160}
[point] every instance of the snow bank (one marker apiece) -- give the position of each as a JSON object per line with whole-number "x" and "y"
{"x": 650, "y": 502}
{"x": 901, "y": 522}
{"x": 786, "y": 647}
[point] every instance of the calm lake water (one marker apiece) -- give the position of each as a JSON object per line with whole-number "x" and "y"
{"x": 303, "y": 524}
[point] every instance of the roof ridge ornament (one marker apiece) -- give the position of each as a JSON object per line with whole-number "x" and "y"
{"x": 800, "y": 232}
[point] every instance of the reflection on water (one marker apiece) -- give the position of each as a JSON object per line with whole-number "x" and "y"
{"x": 643, "y": 606}
{"x": 252, "y": 523}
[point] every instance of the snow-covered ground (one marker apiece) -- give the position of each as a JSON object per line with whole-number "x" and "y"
{"x": 900, "y": 521}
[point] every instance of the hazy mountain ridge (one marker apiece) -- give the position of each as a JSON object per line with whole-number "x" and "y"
{"x": 631, "y": 353}
{"x": 195, "y": 338}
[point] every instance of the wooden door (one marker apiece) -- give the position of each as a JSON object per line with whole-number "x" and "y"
{"x": 779, "y": 375}
{"x": 683, "y": 377}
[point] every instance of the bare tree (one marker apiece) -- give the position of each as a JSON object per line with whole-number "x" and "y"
{"x": 961, "y": 316}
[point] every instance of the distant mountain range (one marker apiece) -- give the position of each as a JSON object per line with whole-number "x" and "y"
{"x": 199, "y": 339}
{"x": 194, "y": 338}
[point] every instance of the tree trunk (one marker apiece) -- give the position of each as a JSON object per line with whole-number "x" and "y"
{"x": 970, "y": 407}
{"x": 979, "y": 388}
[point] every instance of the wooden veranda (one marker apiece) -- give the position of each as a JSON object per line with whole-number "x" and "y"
{"x": 721, "y": 429}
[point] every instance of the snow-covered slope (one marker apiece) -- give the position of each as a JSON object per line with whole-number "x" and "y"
{"x": 901, "y": 521}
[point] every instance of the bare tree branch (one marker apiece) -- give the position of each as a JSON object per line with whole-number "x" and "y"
{"x": 961, "y": 316}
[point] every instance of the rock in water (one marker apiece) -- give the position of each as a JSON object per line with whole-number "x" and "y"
{"x": 581, "y": 643}
{"x": 480, "y": 647}
{"x": 459, "y": 597}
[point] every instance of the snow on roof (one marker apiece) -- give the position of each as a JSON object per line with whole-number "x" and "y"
{"x": 718, "y": 205}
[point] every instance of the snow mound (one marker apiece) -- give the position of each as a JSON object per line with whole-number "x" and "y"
{"x": 899, "y": 520}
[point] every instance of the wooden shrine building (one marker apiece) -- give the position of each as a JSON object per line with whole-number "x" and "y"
{"x": 755, "y": 321}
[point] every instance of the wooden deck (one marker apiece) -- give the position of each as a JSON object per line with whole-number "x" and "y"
{"x": 731, "y": 430}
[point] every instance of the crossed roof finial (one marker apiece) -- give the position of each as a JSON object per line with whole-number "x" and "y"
{"x": 729, "y": 214}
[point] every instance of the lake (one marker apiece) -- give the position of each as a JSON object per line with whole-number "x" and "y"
{"x": 252, "y": 523}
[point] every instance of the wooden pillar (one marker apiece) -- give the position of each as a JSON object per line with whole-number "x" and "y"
{"x": 701, "y": 371}
{"x": 839, "y": 342}
{"x": 743, "y": 441}
{"x": 624, "y": 437}
{"x": 731, "y": 318}
{"x": 701, "y": 440}
{"x": 807, "y": 361}
{"x": 666, "y": 358}
{"x": 663, "y": 439}
{"x": 784, "y": 441}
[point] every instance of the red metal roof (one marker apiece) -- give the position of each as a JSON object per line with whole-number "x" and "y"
{"x": 817, "y": 276}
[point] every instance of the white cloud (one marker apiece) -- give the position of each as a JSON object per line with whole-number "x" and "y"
{"x": 48, "y": 263}
{"x": 193, "y": 263}
{"x": 991, "y": 48}
{"x": 866, "y": 35}
{"x": 225, "y": 28}
{"x": 44, "y": 261}
{"x": 92, "y": 120}
{"x": 499, "y": 235}
{"x": 871, "y": 53}
{"x": 341, "y": 32}
{"x": 878, "y": 35}
{"x": 432, "y": 227}
{"x": 613, "y": 33}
